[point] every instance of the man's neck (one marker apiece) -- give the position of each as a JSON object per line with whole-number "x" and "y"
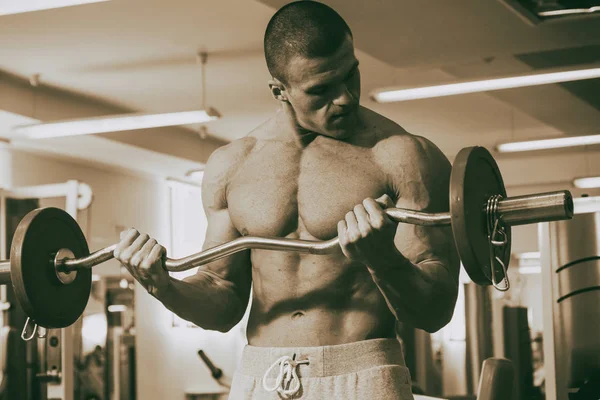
{"x": 288, "y": 129}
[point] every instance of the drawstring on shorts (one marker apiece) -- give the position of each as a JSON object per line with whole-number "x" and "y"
{"x": 287, "y": 373}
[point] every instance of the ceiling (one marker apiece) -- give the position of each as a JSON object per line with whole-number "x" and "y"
{"x": 140, "y": 55}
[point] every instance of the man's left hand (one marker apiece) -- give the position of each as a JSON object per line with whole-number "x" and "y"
{"x": 367, "y": 232}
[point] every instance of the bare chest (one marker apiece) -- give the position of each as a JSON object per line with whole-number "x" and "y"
{"x": 283, "y": 191}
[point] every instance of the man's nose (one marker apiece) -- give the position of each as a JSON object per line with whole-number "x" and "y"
{"x": 345, "y": 97}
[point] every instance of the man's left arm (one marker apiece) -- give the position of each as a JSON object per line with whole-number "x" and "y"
{"x": 415, "y": 267}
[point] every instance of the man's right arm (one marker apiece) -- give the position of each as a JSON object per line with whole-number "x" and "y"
{"x": 217, "y": 296}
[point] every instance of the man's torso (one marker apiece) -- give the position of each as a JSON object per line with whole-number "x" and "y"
{"x": 283, "y": 190}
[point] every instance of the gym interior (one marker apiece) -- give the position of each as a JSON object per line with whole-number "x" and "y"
{"x": 152, "y": 89}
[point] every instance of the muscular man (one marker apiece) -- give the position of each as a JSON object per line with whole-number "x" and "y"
{"x": 320, "y": 326}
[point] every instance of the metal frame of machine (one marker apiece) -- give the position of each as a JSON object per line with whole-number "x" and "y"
{"x": 78, "y": 197}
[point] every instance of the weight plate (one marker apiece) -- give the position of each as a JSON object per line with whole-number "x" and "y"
{"x": 475, "y": 178}
{"x": 47, "y": 301}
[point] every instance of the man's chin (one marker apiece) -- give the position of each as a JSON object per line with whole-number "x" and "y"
{"x": 340, "y": 134}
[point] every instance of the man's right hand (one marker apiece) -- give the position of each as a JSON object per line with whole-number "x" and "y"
{"x": 144, "y": 258}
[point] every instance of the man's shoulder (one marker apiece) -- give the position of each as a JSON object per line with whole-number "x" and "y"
{"x": 401, "y": 147}
{"x": 397, "y": 150}
{"x": 391, "y": 137}
{"x": 230, "y": 156}
{"x": 233, "y": 152}
{"x": 225, "y": 161}
{"x": 416, "y": 168}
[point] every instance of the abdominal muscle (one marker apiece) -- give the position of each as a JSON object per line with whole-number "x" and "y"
{"x": 303, "y": 300}
{"x": 309, "y": 300}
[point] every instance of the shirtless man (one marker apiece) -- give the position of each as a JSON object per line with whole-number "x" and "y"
{"x": 320, "y": 326}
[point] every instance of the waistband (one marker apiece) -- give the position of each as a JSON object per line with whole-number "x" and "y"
{"x": 324, "y": 361}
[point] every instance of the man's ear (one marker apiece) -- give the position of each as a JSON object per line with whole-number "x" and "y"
{"x": 278, "y": 90}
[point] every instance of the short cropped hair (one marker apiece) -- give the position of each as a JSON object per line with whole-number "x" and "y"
{"x": 302, "y": 28}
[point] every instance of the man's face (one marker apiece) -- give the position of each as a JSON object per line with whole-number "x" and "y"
{"x": 325, "y": 92}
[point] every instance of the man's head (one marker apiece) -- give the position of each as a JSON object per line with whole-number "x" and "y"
{"x": 310, "y": 54}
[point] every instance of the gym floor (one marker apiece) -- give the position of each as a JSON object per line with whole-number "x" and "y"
{"x": 93, "y": 59}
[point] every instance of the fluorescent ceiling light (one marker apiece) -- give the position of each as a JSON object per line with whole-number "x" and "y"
{"x": 587, "y": 183}
{"x": 569, "y": 11}
{"x": 113, "y": 123}
{"x": 22, "y": 6}
{"x": 392, "y": 95}
{"x": 545, "y": 144}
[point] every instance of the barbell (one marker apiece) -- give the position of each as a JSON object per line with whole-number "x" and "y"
{"x": 50, "y": 263}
